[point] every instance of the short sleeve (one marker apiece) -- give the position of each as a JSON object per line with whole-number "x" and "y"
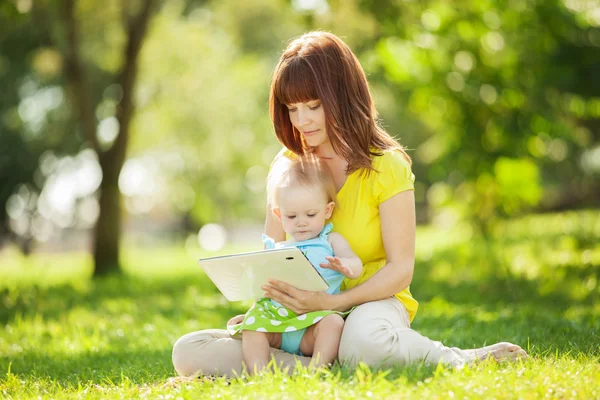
{"x": 394, "y": 176}
{"x": 268, "y": 242}
{"x": 284, "y": 153}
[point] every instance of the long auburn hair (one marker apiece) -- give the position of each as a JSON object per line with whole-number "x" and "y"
{"x": 319, "y": 65}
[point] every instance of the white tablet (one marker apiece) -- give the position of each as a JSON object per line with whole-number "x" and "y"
{"x": 240, "y": 276}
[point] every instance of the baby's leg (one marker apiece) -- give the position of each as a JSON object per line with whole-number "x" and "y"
{"x": 255, "y": 349}
{"x": 322, "y": 340}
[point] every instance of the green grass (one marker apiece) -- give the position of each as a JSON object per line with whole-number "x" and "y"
{"x": 535, "y": 283}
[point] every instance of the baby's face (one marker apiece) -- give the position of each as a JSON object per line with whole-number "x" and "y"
{"x": 303, "y": 211}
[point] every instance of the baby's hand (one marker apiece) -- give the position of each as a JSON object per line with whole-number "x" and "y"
{"x": 335, "y": 263}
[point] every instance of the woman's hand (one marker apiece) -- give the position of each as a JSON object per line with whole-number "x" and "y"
{"x": 297, "y": 300}
{"x": 236, "y": 320}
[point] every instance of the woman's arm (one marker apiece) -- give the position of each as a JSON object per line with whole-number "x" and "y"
{"x": 398, "y": 231}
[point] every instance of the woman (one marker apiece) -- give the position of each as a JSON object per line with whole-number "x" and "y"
{"x": 320, "y": 103}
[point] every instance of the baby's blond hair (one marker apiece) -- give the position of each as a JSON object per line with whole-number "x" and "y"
{"x": 306, "y": 171}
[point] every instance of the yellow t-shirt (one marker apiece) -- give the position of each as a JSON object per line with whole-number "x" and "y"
{"x": 356, "y": 214}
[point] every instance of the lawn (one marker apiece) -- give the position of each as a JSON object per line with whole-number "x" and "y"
{"x": 533, "y": 282}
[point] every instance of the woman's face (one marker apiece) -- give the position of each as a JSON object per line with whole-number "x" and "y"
{"x": 309, "y": 119}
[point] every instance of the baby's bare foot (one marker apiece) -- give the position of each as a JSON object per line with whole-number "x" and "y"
{"x": 502, "y": 351}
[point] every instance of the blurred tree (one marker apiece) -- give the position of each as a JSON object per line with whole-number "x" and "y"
{"x": 208, "y": 116}
{"x": 32, "y": 119}
{"x": 503, "y": 96}
{"x": 135, "y": 17}
{"x": 497, "y": 102}
{"x": 50, "y": 62}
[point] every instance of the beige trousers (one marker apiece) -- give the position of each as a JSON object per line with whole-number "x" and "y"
{"x": 377, "y": 333}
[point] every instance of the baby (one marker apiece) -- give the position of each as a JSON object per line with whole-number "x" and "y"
{"x": 302, "y": 196}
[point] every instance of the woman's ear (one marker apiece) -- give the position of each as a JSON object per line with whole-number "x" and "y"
{"x": 277, "y": 212}
{"x": 329, "y": 209}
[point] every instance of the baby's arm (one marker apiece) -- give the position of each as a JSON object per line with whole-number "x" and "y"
{"x": 344, "y": 260}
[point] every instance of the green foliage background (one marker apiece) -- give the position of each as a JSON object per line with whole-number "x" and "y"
{"x": 498, "y": 102}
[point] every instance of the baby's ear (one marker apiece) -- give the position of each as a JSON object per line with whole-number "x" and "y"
{"x": 277, "y": 212}
{"x": 329, "y": 209}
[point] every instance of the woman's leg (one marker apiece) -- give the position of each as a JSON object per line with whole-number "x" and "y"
{"x": 215, "y": 352}
{"x": 378, "y": 333}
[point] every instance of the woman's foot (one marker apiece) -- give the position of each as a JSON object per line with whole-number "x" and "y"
{"x": 502, "y": 351}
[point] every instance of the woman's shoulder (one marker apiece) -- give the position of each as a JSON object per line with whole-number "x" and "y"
{"x": 285, "y": 153}
{"x": 393, "y": 175}
{"x": 281, "y": 161}
{"x": 391, "y": 159}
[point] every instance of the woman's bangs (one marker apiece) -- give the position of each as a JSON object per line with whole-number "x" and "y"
{"x": 296, "y": 83}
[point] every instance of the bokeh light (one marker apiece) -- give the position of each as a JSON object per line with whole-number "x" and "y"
{"x": 212, "y": 237}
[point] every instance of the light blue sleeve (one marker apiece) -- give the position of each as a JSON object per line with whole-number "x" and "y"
{"x": 268, "y": 241}
{"x": 326, "y": 231}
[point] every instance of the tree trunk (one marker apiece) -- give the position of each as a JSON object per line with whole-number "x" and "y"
{"x": 107, "y": 233}
{"x": 108, "y": 227}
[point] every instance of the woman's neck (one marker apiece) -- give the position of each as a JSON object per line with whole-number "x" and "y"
{"x": 326, "y": 151}
{"x": 337, "y": 165}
